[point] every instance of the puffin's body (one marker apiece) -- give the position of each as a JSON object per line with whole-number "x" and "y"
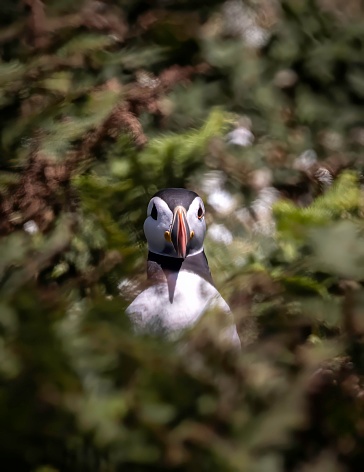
{"x": 181, "y": 288}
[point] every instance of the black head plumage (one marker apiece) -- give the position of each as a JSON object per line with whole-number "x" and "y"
{"x": 176, "y": 196}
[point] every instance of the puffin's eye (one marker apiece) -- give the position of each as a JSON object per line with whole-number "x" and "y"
{"x": 200, "y": 213}
{"x": 154, "y": 212}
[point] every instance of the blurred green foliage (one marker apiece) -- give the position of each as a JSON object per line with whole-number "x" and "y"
{"x": 256, "y": 105}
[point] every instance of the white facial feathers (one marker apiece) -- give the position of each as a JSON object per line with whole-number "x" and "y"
{"x": 164, "y": 214}
{"x": 159, "y": 220}
{"x": 196, "y": 222}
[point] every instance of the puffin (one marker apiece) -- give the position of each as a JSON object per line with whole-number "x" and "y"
{"x": 180, "y": 287}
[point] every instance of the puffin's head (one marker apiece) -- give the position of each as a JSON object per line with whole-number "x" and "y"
{"x": 175, "y": 224}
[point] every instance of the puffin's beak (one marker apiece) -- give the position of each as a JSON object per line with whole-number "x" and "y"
{"x": 180, "y": 234}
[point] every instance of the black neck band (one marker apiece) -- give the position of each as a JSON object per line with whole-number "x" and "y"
{"x": 159, "y": 265}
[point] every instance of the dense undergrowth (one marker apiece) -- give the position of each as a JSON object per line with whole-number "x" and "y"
{"x": 255, "y": 105}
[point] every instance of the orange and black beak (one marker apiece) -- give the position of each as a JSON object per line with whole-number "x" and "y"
{"x": 180, "y": 232}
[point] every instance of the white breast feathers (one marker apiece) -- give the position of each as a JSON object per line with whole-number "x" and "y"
{"x": 153, "y": 311}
